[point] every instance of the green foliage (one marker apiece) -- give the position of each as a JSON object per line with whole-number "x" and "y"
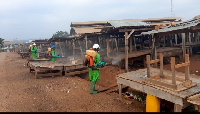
{"x": 1, "y": 42}
{"x": 60, "y": 34}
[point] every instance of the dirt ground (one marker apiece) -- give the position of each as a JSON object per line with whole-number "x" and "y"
{"x": 21, "y": 92}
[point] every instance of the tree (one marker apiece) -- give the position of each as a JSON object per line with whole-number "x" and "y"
{"x": 60, "y": 34}
{"x": 1, "y": 42}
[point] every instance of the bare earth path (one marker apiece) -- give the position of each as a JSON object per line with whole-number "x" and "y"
{"x": 21, "y": 92}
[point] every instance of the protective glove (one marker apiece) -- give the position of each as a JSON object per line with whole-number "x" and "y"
{"x": 57, "y": 56}
{"x": 102, "y": 63}
{"x": 94, "y": 68}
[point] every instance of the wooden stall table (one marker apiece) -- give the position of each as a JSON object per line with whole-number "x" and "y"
{"x": 46, "y": 68}
{"x": 136, "y": 80}
{"x": 195, "y": 99}
{"x": 74, "y": 67}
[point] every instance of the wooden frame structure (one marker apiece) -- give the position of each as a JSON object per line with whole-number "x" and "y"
{"x": 71, "y": 70}
{"x": 47, "y": 68}
{"x": 169, "y": 82}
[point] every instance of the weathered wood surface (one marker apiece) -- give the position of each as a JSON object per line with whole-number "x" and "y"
{"x": 42, "y": 68}
{"x": 167, "y": 52}
{"x": 195, "y": 99}
{"x": 136, "y": 79}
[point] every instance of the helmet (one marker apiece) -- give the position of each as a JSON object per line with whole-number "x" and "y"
{"x": 34, "y": 44}
{"x": 96, "y": 46}
{"x": 53, "y": 46}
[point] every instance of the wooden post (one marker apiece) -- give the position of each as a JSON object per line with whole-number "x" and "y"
{"x": 164, "y": 40}
{"x": 108, "y": 46}
{"x": 189, "y": 37}
{"x": 187, "y": 72}
{"x": 148, "y": 65}
{"x": 176, "y": 38}
{"x": 150, "y": 41}
{"x": 86, "y": 45}
{"x": 120, "y": 90}
{"x": 173, "y": 70}
{"x": 186, "y": 37}
{"x": 145, "y": 64}
{"x": 183, "y": 45}
{"x": 153, "y": 48}
{"x": 161, "y": 65}
{"x": 171, "y": 35}
{"x": 177, "y": 108}
{"x": 73, "y": 47}
{"x": 156, "y": 64}
{"x": 126, "y": 51}
{"x": 195, "y": 37}
{"x": 116, "y": 44}
{"x": 131, "y": 45}
{"x": 134, "y": 43}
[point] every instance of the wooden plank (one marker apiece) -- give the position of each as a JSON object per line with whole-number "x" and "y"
{"x": 75, "y": 72}
{"x": 162, "y": 94}
{"x": 183, "y": 44}
{"x": 177, "y": 108}
{"x": 173, "y": 70}
{"x": 125, "y": 30}
{"x": 154, "y": 61}
{"x": 161, "y": 83}
{"x": 139, "y": 76}
{"x": 187, "y": 67}
{"x": 130, "y": 34}
{"x": 126, "y": 52}
{"x": 155, "y": 76}
{"x": 182, "y": 65}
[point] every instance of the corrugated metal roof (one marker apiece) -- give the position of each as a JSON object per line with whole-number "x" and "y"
{"x": 178, "y": 26}
{"x": 86, "y": 30}
{"x": 118, "y": 24}
{"x": 144, "y": 20}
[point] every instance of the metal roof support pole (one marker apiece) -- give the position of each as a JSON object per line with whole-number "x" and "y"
{"x": 183, "y": 45}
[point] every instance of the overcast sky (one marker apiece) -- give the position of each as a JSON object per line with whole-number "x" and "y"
{"x": 40, "y": 19}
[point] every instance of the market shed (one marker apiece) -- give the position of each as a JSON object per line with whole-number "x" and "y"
{"x": 183, "y": 34}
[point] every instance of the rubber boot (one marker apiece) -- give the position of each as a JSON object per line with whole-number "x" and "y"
{"x": 95, "y": 88}
{"x": 92, "y": 84}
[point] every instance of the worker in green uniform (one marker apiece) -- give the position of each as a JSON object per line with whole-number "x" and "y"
{"x": 53, "y": 54}
{"x": 94, "y": 70}
{"x": 34, "y": 51}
